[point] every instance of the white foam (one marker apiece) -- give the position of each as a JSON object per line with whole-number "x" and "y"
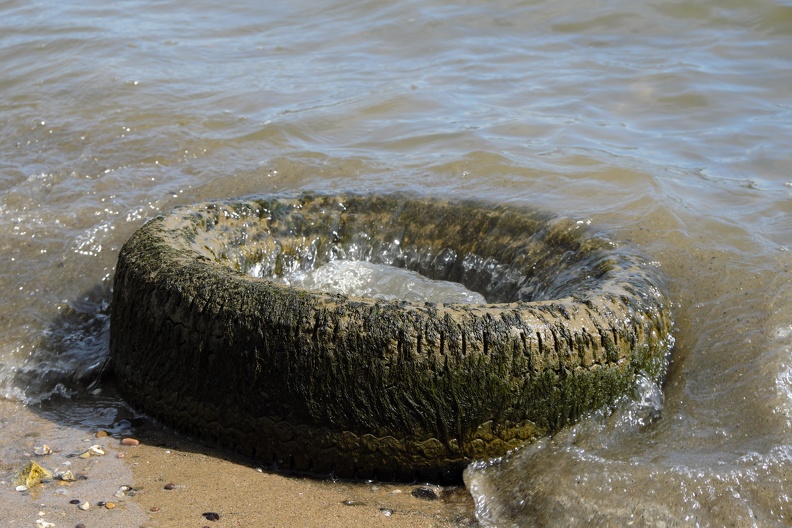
{"x": 364, "y": 279}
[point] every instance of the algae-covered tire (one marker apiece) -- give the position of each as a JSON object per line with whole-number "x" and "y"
{"x": 203, "y": 340}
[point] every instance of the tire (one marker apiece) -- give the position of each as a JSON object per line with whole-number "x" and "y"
{"x": 357, "y": 387}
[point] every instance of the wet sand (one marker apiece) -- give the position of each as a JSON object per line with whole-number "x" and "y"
{"x": 98, "y": 477}
{"x": 201, "y": 480}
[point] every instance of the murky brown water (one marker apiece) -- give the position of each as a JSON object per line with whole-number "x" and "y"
{"x": 666, "y": 122}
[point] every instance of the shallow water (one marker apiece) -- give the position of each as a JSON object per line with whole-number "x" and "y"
{"x": 665, "y": 122}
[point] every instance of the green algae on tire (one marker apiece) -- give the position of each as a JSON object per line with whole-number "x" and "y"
{"x": 358, "y": 387}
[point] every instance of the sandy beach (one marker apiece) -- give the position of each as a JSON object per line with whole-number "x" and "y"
{"x": 205, "y": 480}
{"x": 171, "y": 481}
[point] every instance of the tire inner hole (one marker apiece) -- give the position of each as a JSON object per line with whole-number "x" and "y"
{"x": 380, "y": 281}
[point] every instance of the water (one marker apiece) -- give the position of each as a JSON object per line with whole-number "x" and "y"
{"x": 379, "y": 281}
{"x": 666, "y": 122}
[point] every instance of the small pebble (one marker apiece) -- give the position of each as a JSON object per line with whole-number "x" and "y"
{"x": 101, "y": 503}
{"x": 42, "y": 450}
{"x": 170, "y": 486}
{"x": 21, "y": 488}
{"x": 84, "y": 505}
{"x": 123, "y": 490}
{"x": 212, "y": 516}
{"x": 387, "y": 512}
{"x": 154, "y": 509}
{"x": 81, "y": 525}
{"x": 110, "y": 505}
{"x": 101, "y": 433}
{"x": 120, "y": 455}
{"x": 41, "y": 523}
{"x": 66, "y": 476}
{"x": 130, "y": 441}
{"x": 94, "y": 450}
{"x": 75, "y": 501}
{"x": 424, "y": 493}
